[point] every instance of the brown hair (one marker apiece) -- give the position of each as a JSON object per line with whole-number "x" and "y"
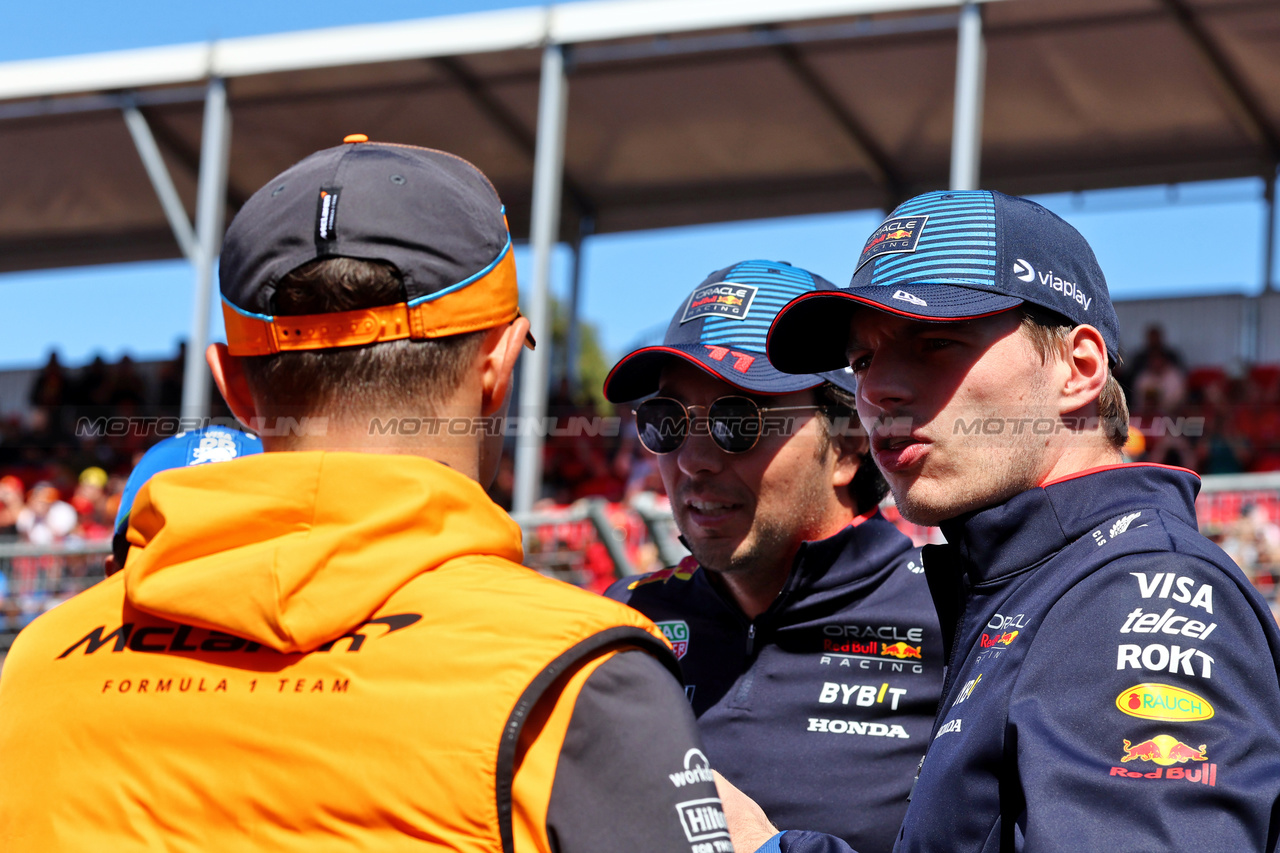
{"x": 1048, "y": 332}
{"x": 391, "y": 376}
{"x": 869, "y": 486}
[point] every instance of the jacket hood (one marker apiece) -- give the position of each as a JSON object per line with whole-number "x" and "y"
{"x": 294, "y": 549}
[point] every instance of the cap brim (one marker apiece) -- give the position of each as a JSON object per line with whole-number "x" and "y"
{"x": 637, "y": 374}
{"x": 811, "y": 332}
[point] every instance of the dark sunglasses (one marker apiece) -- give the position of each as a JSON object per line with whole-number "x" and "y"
{"x": 734, "y": 423}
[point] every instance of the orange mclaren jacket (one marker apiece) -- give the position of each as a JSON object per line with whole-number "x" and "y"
{"x": 340, "y": 651}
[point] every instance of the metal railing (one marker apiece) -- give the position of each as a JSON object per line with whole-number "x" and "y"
{"x": 34, "y": 578}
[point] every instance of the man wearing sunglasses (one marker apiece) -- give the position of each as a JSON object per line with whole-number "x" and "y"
{"x": 1113, "y": 680}
{"x": 810, "y": 649}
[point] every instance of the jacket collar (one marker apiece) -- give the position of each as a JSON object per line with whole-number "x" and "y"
{"x": 996, "y": 541}
{"x": 855, "y": 558}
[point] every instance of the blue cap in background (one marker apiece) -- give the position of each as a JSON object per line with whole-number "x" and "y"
{"x": 199, "y": 447}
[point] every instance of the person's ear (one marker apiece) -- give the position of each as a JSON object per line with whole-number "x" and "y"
{"x": 498, "y": 356}
{"x": 849, "y": 444}
{"x": 1085, "y": 368}
{"x": 228, "y": 375}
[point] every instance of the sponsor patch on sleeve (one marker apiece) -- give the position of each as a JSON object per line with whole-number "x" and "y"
{"x": 900, "y": 234}
{"x": 722, "y": 299}
{"x": 677, "y": 633}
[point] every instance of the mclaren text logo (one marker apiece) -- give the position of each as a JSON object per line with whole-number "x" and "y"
{"x": 185, "y": 638}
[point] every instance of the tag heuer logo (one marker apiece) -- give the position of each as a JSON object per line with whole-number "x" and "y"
{"x": 677, "y": 634}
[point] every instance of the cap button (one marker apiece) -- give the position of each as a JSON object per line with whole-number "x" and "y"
{"x": 355, "y": 137}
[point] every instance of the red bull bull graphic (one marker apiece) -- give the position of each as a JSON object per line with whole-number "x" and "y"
{"x": 900, "y": 234}
{"x": 989, "y": 640}
{"x": 1164, "y": 703}
{"x": 681, "y": 572}
{"x": 901, "y": 651}
{"x": 723, "y": 299}
{"x": 1164, "y": 750}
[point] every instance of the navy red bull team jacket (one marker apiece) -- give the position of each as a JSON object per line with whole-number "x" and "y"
{"x": 1112, "y": 683}
{"x": 821, "y": 707}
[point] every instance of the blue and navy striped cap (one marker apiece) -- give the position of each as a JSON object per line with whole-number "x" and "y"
{"x": 721, "y": 327}
{"x": 949, "y": 256}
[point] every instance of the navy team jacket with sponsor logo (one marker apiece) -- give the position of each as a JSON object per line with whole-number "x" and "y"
{"x": 1112, "y": 683}
{"x": 820, "y": 708}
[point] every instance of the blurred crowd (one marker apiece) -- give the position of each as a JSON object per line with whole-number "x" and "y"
{"x": 39, "y": 516}
{"x": 1213, "y": 420}
{"x": 63, "y": 433}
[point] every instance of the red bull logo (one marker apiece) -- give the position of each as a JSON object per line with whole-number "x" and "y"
{"x": 1165, "y": 750}
{"x": 900, "y": 234}
{"x": 725, "y": 299}
{"x": 1204, "y": 774}
{"x": 901, "y": 651}
{"x": 989, "y": 640}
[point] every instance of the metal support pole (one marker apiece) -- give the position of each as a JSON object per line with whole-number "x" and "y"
{"x": 1269, "y": 239}
{"x": 153, "y": 162}
{"x": 971, "y": 71}
{"x": 548, "y": 176}
{"x": 211, "y": 196}
{"x": 586, "y": 225}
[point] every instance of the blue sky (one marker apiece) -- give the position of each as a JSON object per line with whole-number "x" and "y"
{"x": 1151, "y": 241}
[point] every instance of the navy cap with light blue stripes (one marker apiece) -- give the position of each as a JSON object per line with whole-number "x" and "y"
{"x": 721, "y": 327}
{"x": 947, "y": 257}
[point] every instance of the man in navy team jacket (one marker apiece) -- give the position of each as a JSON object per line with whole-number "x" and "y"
{"x": 1112, "y": 682}
{"x": 809, "y": 646}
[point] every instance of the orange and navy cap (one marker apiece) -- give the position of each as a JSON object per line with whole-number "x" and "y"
{"x": 947, "y": 257}
{"x": 431, "y": 215}
{"x": 720, "y": 327}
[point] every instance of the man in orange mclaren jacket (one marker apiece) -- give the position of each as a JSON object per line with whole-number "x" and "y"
{"x": 332, "y": 645}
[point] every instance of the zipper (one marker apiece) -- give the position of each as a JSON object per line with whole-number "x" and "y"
{"x": 747, "y": 680}
{"x": 947, "y": 681}
{"x": 919, "y": 767}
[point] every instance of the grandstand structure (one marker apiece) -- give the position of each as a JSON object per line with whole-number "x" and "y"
{"x": 617, "y": 115}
